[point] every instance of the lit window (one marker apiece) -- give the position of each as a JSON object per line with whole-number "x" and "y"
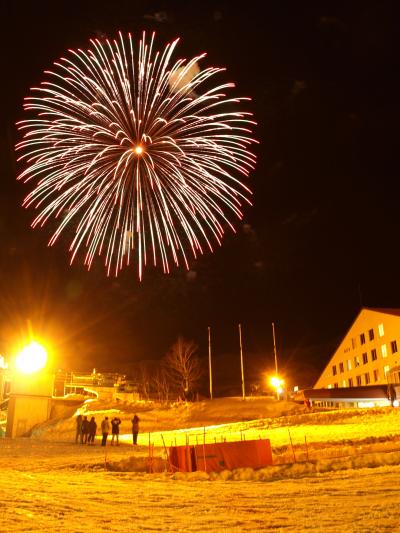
{"x": 344, "y": 383}
{"x": 371, "y": 334}
{"x": 362, "y": 338}
{"x": 376, "y": 375}
{"x": 384, "y": 350}
{"x": 367, "y": 379}
{"x": 334, "y": 370}
{"x": 341, "y": 368}
{"x": 350, "y": 382}
{"x": 381, "y": 330}
{"x": 365, "y": 358}
{"x": 374, "y": 357}
{"x": 349, "y": 367}
{"x": 358, "y": 378}
{"x": 393, "y": 346}
{"x": 386, "y": 369}
{"x": 329, "y": 386}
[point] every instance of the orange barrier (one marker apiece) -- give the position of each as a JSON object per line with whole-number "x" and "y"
{"x": 221, "y": 456}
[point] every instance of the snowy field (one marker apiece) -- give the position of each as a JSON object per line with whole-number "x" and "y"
{"x": 350, "y": 482}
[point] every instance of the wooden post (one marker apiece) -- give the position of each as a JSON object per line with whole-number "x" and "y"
{"x": 204, "y": 449}
{"x": 305, "y": 440}
{"x": 166, "y": 452}
{"x": 291, "y": 444}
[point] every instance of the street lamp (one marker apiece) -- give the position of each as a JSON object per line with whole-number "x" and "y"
{"x": 31, "y": 358}
{"x": 31, "y": 391}
{"x": 277, "y": 383}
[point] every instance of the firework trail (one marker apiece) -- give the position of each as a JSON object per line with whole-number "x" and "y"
{"x": 140, "y": 154}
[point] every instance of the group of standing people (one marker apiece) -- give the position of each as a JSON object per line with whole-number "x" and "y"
{"x": 86, "y": 430}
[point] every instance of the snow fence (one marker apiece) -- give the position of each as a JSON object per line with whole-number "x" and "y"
{"x": 221, "y": 456}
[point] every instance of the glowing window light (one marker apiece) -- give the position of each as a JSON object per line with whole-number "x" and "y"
{"x": 31, "y": 358}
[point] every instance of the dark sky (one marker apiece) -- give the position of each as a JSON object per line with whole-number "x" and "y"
{"x": 322, "y": 236}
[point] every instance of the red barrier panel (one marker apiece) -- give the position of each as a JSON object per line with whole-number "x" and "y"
{"x": 182, "y": 458}
{"x": 221, "y": 456}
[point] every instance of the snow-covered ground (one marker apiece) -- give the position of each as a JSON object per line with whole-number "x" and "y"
{"x": 350, "y": 482}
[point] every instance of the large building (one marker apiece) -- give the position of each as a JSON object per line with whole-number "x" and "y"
{"x": 368, "y": 354}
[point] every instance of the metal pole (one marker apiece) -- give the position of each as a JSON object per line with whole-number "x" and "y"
{"x": 209, "y": 361}
{"x": 241, "y": 360}
{"x": 276, "y": 357}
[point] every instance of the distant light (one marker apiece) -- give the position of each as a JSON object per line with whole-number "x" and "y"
{"x": 32, "y": 358}
{"x": 276, "y": 382}
{"x": 296, "y": 388}
{"x": 138, "y": 150}
{"x": 396, "y": 403}
{"x": 3, "y": 363}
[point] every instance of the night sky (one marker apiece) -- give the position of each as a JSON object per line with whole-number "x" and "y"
{"x": 322, "y": 238}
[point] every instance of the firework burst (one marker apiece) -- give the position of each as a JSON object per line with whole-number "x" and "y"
{"x": 139, "y": 153}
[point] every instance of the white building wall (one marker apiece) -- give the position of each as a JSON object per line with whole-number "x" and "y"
{"x": 368, "y": 351}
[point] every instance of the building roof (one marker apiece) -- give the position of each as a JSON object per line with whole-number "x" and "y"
{"x": 385, "y": 310}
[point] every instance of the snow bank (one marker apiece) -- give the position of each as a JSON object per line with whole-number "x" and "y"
{"x": 270, "y": 473}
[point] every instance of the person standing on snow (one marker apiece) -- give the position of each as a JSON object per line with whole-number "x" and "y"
{"x": 105, "y": 430}
{"x": 78, "y": 436}
{"x": 115, "y": 422}
{"x": 92, "y": 430}
{"x": 85, "y": 430}
{"x": 135, "y": 429}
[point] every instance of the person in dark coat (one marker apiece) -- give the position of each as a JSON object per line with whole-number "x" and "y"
{"x": 92, "y": 430}
{"x": 78, "y": 436}
{"x": 115, "y": 423}
{"x": 85, "y": 429}
{"x": 105, "y": 430}
{"x": 135, "y": 429}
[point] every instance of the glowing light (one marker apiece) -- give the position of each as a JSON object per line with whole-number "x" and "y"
{"x": 276, "y": 382}
{"x": 173, "y": 191}
{"x": 32, "y": 358}
{"x": 3, "y": 363}
{"x": 139, "y": 150}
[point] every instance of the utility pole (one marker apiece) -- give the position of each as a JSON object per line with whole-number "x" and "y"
{"x": 209, "y": 361}
{"x": 241, "y": 361}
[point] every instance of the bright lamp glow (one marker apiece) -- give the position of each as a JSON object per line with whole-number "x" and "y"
{"x": 31, "y": 358}
{"x": 276, "y": 382}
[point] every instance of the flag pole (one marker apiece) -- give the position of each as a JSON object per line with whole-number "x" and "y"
{"x": 276, "y": 356}
{"x": 241, "y": 361}
{"x": 209, "y": 362}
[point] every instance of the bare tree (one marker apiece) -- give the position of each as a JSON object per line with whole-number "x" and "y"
{"x": 182, "y": 366}
{"x": 161, "y": 385}
{"x": 144, "y": 379}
